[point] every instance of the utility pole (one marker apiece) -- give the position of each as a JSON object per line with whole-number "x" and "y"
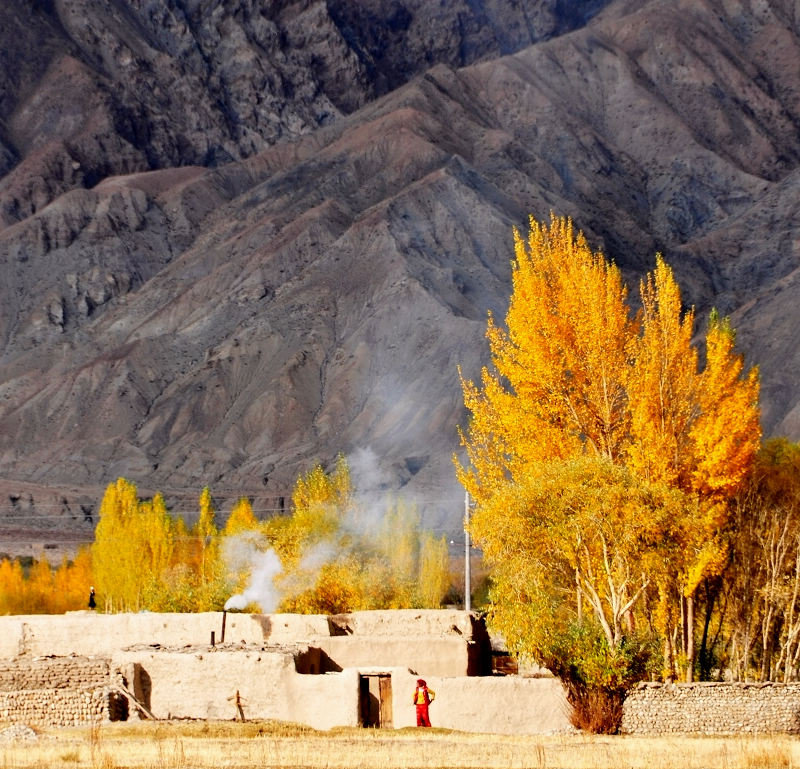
{"x": 467, "y": 579}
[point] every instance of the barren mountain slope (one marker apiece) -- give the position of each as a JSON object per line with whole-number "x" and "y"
{"x": 230, "y": 325}
{"x": 91, "y": 89}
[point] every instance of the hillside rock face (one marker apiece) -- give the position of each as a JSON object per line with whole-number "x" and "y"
{"x": 89, "y": 90}
{"x": 238, "y": 240}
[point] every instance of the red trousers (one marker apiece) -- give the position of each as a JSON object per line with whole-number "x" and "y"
{"x": 422, "y": 716}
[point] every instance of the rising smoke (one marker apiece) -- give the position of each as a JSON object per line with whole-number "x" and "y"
{"x": 359, "y": 529}
{"x": 242, "y": 553}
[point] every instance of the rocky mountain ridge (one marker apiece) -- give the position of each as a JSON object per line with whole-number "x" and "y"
{"x": 230, "y": 306}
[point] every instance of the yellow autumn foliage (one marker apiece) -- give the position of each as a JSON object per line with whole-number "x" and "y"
{"x": 45, "y": 590}
{"x": 342, "y": 554}
{"x": 575, "y": 376}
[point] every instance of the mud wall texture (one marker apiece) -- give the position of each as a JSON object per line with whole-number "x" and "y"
{"x": 712, "y": 708}
{"x": 426, "y": 656}
{"x": 428, "y": 641}
{"x": 60, "y": 692}
{"x": 87, "y": 633}
{"x": 491, "y": 705}
{"x": 316, "y": 670}
{"x": 205, "y": 682}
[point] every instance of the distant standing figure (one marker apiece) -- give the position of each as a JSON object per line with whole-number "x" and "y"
{"x": 423, "y": 696}
{"x": 92, "y": 603}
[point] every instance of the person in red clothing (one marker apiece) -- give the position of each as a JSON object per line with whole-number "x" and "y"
{"x": 423, "y": 696}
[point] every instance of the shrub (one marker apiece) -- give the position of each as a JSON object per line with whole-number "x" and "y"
{"x": 597, "y": 676}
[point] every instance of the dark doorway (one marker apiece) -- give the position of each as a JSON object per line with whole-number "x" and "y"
{"x": 375, "y": 700}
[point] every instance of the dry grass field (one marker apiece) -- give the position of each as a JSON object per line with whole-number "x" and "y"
{"x": 179, "y": 745}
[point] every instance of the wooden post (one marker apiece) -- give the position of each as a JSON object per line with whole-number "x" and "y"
{"x": 130, "y": 695}
{"x": 467, "y": 577}
{"x": 239, "y": 705}
{"x": 239, "y": 702}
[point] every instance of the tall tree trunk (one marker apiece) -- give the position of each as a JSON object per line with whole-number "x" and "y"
{"x": 704, "y": 654}
{"x": 684, "y": 641}
{"x": 689, "y": 633}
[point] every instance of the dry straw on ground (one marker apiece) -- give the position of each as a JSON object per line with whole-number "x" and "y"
{"x": 185, "y": 745}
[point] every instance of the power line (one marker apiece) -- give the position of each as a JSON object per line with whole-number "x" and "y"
{"x": 71, "y": 514}
{"x": 368, "y": 497}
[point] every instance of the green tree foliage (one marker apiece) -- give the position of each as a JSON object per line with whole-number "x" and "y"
{"x": 597, "y": 676}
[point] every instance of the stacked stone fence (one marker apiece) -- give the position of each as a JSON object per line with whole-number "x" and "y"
{"x": 60, "y": 691}
{"x": 712, "y": 708}
{"x": 54, "y": 672}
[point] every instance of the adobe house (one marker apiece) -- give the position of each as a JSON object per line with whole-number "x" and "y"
{"x": 344, "y": 670}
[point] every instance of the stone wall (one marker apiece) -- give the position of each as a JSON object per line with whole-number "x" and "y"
{"x": 64, "y": 691}
{"x": 54, "y": 673}
{"x": 712, "y": 708}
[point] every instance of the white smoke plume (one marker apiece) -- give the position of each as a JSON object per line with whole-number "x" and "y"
{"x": 241, "y": 552}
{"x": 369, "y": 484}
{"x": 362, "y": 523}
{"x": 305, "y": 576}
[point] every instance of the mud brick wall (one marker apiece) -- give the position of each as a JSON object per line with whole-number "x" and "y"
{"x": 712, "y": 708}
{"x": 60, "y": 691}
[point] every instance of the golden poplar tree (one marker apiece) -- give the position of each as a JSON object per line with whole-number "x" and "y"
{"x": 12, "y": 585}
{"x": 206, "y": 525}
{"x": 72, "y": 581}
{"x": 340, "y": 554}
{"x": 115, "y": 560}
{"x": 155, "y": 534}
{"x": 559, "y": 366}
{"x": 697, "y": 431}
{"x": 663, "y": 382}
{"x": 206, "y": 537}
{"x": 39, "y": 595}
{"x": 398, "y": 548}
{"x": 574, "y": 376}
{"x": 433, "y": 571}
{"x": 209, "y": 570}
{"x": 152, "y": 537}
{"x": 320, "y": 502}
{"x": 133, "y": 548}
{"x": 241, "y": 519}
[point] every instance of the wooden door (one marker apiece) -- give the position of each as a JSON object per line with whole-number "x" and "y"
{"x": 385, "y": 698}
{"x": 375, "y": 700}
